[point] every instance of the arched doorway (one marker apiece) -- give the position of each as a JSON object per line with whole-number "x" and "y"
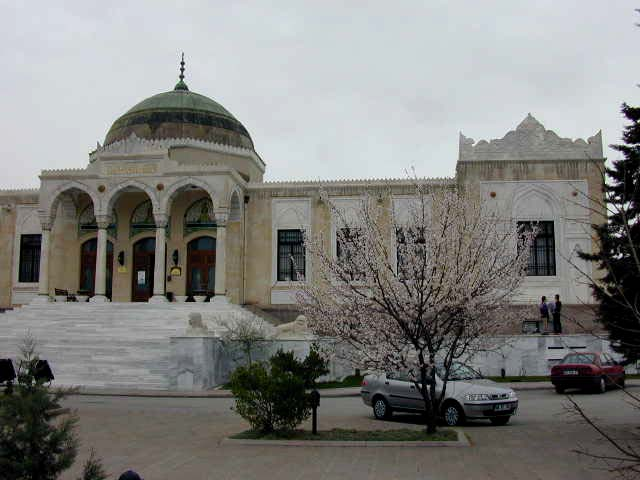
{"x": 88, "y": 252}
{"x": 144, "y": 255}
{"x": 201, "y": 266}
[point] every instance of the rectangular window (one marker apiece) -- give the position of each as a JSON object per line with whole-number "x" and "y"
{"x": 291, "y": 256}
{"x": 409, "y": 242}
{"x": 350, "y": 235}
{"x": 29, "y": 271}
{"x": 542, "y": 252}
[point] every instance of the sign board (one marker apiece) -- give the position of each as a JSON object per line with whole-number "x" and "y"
{"x": 122, "y": 269}
{"x": 175, "y": 271}
{"x": 142, "y": 277}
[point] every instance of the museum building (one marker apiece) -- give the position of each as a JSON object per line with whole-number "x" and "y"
{"x": 173, "y": 206}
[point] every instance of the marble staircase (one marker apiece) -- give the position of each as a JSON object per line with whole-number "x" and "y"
{"x": 112, "y": 345}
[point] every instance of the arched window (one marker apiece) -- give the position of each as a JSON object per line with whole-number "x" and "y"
{"x": 142, "y": 219}
{"x": 235, "y": 209}
{"x": 87, "y": 222}
{"x": 199, "y": 216}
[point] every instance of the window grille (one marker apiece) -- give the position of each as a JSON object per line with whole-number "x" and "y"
{"x": 29, "y": 271}
{"x": 542, "y": 254}
{"x": 291, "y": 255}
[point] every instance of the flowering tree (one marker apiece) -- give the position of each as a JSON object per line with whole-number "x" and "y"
{"x": 414, "y": 283}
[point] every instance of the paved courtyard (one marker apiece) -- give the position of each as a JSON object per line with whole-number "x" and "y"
{"x": 169, "y": 438}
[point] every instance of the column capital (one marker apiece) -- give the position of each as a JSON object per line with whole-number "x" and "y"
{"x": 161, "y": 219}
{"x": 222, "y": 215}
{"x": 103, "y": 221}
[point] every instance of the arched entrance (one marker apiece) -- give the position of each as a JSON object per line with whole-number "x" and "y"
{"x": 144, "y": 254}
{"x": 88, "y": 267}
{"x": 201, "y": 266}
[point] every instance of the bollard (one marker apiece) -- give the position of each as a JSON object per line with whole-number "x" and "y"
{"x": 315, "y": 403}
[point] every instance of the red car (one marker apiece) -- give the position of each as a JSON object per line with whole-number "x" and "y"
{"x": 588, "y": 371}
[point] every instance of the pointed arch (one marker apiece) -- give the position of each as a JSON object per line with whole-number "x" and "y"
{"x": 118, "y": 189}
{"x": 174, "y": 190}
{"x": 235, "y": 206}
{"x": 526, "y": 203}
{"x": 50, "y": 207}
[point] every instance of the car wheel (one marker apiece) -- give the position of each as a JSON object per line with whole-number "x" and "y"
{"x": 559, "y": 389}
{"x": 602, "y": 385}
{"x": 453, "y": 414}
{"x": 500, "y": 420}
{"x": 381, "y": 409}
{"x": 621, "y": 383}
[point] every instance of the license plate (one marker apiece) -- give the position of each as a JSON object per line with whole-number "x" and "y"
{"x": 571, "y": 372}
{"x": 501, "y": 407}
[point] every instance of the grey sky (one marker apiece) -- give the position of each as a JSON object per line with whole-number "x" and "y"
{"x": 328, "y": 90}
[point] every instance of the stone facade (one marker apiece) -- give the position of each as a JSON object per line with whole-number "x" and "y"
{"x": 531, "y": 170}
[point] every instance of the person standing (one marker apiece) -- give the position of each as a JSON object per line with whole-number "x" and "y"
{"x": 557, "y": 309}
{"x": 544, "y": 315}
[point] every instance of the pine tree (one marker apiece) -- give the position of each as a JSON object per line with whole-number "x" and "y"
{"x": 619, "y": 256}
{"x": 37, "y": 442}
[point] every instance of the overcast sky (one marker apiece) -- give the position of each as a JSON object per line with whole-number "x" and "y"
{"x": 327, "y": 90}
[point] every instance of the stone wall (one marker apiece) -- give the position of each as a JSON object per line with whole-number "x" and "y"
{"x": 200, "y": 363}
{"x": 7, "y": 232}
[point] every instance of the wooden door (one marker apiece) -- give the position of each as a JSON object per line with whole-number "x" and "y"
{"x": 201, "y": 266}
{"x": 88, "y": 256}
{"x": 143, "y": 266}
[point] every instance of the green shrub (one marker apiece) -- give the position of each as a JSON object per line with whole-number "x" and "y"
{"x": 37, "y": 440}
{"x": 272, "y": 396}
{"x": 34, "y": 444}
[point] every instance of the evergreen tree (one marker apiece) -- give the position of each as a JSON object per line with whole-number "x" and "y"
{"x": 619, "y": 256}
{"x": 36, "y": 441}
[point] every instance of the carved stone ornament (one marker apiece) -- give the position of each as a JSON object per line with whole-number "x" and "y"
{"x": 101, "y": 188}
{"x": 531, "y": 141}
{"x": 160, "y": 187}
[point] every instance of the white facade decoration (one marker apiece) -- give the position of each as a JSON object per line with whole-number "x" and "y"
{"x": 27, "y": 223}
{"x": 530, "y": 141}
{"x": 287, "y": 214}
{"x": 564, "y": 203}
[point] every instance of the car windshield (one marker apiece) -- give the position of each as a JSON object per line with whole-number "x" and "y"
{"x": 459, "y": 371}
{"x": 583, "y": 358}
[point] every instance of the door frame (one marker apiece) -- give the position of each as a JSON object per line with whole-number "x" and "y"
{"x": 133, "y": 268}
{"x": 188, "y": 290}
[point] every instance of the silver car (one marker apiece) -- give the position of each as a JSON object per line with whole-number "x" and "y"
{"x": 468, "y": 396}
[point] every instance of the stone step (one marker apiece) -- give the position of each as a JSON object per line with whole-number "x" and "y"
{"x": 114, "y": 345}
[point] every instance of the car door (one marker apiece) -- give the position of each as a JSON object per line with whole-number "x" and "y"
{"x": 612, "y": 369}
{"x": 402, "y": 392}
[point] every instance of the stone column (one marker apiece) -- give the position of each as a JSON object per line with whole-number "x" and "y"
{"x": 221, "y": 264}
{"x": 43, "y": 276}
{"x": 100, "y": 288}
{"x": 160, "y": 260}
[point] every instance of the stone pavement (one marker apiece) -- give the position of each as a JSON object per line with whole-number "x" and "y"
{"x": 168, "y": 438}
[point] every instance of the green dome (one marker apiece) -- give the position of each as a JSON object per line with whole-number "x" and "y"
{"x": 180, "y": 113}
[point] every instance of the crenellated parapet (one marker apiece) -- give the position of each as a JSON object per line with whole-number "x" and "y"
{"x": 530, "y": 141}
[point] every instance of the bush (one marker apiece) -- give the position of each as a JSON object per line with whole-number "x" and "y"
{"x": 34, "y": 444}
{"x": 272, "y": 396}
{"x": 38, "y": 442}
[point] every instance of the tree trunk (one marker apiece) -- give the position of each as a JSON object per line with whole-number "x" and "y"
{"x": 429, "y": 411}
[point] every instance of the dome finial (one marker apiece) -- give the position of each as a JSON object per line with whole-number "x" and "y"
{"x": 181, "y": 85}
